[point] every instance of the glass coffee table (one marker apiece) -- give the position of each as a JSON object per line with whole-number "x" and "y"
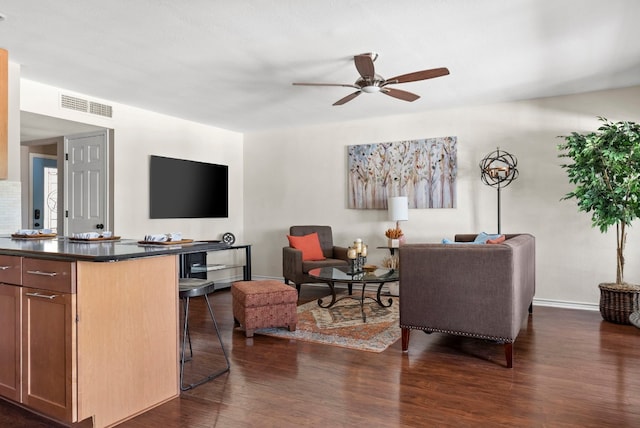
{"x": 333, "y": 275}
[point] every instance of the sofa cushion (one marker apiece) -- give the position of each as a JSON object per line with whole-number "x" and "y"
{"x": 309, "y": 245}
{"x": 328, "y": 262}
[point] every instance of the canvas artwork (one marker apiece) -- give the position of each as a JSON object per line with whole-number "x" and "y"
{"x": 423, "y": 170}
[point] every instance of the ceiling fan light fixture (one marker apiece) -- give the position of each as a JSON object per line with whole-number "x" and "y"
{"x": 371, "y": 82}
{"x": 370, "y": 89}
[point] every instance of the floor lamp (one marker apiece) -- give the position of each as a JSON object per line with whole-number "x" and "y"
{"x": 498, "y": 169}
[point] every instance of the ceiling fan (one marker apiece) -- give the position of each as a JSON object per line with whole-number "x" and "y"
{"x": 371, "y": 82}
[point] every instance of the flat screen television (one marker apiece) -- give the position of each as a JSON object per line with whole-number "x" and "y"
{"x": 181, "y": 188}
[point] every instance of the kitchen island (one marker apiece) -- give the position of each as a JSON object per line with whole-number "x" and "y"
{"x": 90, "y": 329}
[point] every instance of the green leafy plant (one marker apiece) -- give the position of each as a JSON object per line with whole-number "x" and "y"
{"x": 606, "y": 173}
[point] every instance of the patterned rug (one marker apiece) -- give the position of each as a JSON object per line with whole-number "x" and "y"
{"x": 342, "y": 325}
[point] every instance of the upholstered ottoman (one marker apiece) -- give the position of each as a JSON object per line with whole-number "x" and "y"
{"x": 263, "y": 304}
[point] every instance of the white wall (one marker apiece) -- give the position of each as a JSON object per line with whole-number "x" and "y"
{"x": 137, "y": 135}
{"x": 298, "y": 176}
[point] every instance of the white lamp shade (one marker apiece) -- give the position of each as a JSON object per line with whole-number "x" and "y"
{"x": 398, "y": 208}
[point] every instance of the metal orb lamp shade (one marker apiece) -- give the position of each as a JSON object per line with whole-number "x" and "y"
{"x": 498, "y": 169}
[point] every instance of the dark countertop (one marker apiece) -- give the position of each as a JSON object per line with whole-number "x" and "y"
{"x": 61, "y": 248}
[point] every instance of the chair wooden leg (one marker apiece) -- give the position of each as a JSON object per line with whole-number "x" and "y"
{"x": 531, "y": 308}
{"x": 406, "y": 332}
{"x": 508, "y": 353}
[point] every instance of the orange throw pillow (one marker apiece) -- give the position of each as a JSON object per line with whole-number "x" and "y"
{"x": 498, "y": 240}
{"x": 309, "y": 245}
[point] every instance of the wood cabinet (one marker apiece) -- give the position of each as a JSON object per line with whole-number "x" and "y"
{"x": 88, "y": 340}
{"x": 10, "y": 330}
{"x": 128, "y": 337}
{"x": 37, "y": 351}
{"x": 48, "y": 337}
{"x": 48, "y": 353}
{"x": 10, "y": 341}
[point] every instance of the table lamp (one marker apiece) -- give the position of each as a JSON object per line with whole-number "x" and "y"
{"x": 398, "y": 209}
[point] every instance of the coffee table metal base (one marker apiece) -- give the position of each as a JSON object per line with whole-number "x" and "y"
{"x": 361, "y": 299}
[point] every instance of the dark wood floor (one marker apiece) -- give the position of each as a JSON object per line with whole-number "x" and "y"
{"x": 571, "y": 369}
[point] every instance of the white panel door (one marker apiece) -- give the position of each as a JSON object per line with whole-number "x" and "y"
{"x": 86, "y": 170}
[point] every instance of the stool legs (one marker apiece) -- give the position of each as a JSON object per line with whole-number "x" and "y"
{"x": 187, "y": 337}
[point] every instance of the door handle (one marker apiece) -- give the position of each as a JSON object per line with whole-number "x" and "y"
{"x": 100, "y": 226}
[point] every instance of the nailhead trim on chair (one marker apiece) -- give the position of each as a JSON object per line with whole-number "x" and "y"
{"x": 459, "y": 333}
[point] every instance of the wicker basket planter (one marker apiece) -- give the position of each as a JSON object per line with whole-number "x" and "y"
{"x": 618, "y": 301}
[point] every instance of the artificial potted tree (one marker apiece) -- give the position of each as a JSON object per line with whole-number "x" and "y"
{"x": 606, "y": 173}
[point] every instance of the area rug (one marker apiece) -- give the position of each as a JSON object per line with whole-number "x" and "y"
{"x": 342, "y": 325}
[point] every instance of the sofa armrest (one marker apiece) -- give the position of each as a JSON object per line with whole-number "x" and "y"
{"x": 523, "y": 247}
{"x": 291, "y": 263}
{"x": 340, "y": 253}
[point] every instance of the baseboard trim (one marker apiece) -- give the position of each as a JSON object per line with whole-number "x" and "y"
{"x": 566, "y": 305}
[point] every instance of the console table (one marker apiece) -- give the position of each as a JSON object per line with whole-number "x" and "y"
{"x": 194, "y": 265}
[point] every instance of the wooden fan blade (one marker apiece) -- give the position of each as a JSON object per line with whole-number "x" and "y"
{"x": 401, "y": 95}
{"x": 345, "y": 85}
{"x": 418, "y": 75}
{"x": 364, "y": 65}
{"x": 347, "y": 98}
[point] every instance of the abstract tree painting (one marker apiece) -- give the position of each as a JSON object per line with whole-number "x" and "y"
{"x": 423, "y": 170}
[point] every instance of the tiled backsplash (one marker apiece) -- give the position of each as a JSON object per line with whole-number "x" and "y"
{"x": 9, "y": 206}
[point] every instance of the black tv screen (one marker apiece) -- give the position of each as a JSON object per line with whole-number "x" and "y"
{"x": 187, "y": 189}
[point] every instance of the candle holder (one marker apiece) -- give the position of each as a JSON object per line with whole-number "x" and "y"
{"x": 357, "y": 255}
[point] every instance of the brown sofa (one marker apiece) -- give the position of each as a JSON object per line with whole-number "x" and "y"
{"x": 475, "y": 290}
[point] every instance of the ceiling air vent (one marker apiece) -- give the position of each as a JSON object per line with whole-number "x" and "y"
{"x": 86, "y": 106}
{"x": 74, "y": 103}
{"x": 100, "y": 109}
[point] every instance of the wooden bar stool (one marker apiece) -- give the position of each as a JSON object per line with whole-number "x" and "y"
{"x": 188, "y": 288}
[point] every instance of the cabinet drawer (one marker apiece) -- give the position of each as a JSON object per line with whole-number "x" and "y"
{"x": 11, "y": 270}
{"x": 50, "y": 275}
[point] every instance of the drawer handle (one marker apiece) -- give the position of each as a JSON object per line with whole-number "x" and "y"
{"x": 5, "y": 267}
{"x": 38, "y": 272}
{"x": 42, "y": 296}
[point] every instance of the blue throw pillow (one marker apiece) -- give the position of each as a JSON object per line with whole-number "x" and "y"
{"x": 482, "y": 238}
